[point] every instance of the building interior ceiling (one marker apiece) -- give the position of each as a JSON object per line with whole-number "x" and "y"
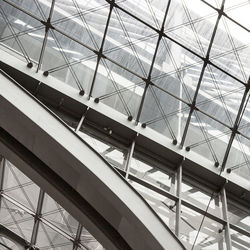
{"x": 180, "y": 68}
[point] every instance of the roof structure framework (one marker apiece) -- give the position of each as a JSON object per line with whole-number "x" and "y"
{"x": 178, "y": 67}
{"x": 166, "y": 58}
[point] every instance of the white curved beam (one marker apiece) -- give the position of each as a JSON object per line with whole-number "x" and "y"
{"x": 83, "y": 170}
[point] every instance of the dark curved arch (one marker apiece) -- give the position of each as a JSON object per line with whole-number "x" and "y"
{"x": 77, "y": 177}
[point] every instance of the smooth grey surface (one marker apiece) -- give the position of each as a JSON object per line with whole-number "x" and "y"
{"x": 81, "y": 168}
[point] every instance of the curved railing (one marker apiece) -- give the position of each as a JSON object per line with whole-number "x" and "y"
{"x": 75, "y": 175}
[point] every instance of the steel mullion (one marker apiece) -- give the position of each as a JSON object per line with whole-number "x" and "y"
{"x": 192, "y": 106}
{"x": 78, "y": 237}
{"x": 47, "y": 27}
{"x": 99, "y": 54}
{"x": 225, "y": 216}
{"x": 148, "y": 80}
{"x": 37, "y": 216}
{"x": 178, "y": 202}
{"x": 236, "y": 125}
{"x": 178, "y": 43}
{"x": 130, "y": 14}
{"x": 129, "y": 158}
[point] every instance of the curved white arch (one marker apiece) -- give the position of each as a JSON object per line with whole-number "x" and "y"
{"x": 85, "y": 184}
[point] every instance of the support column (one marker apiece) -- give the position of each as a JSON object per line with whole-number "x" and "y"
{"x": 78, "y": 237}
{"x": 178, "y": 202}
{"x": 225, "y": 217}
{"x": 81, "y": 121}
{"x": 37, "y": 217}
{"x": 129, "y": 158}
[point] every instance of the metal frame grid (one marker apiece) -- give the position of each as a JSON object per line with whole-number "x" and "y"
{"x": 234, "y": 129}
{"x": 148, "y": 81}
{"x": 39, "y": 222}
{"x": 174, "y": 196}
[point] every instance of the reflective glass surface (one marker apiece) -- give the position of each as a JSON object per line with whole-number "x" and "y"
{"x": 55, "y": 228}
{"x": 181, "y": 67}
{"x": 150, "y": 60}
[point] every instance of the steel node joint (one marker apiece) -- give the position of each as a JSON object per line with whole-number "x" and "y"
{"x": 248, "y": 85}
{"x": 100, "y": 54}
{"x": 221, "y": 11}
{"x": 148, "y": 81}
{"x": 206, "y": 60}
{"x": 192, "y": 106}
{"x": 112, "y": 4}
{"x": 47, "y": 25}
{"x": 161, "y": 33}
{"x": 235, "y": 130}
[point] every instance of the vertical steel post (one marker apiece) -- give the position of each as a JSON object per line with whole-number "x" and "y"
{"x": 178, "y": 202}
{"x": 78, "y": 237}
{"x": 128, "y": 162}
{"x": 225, "y": 217}
{"x": 37, "y": 218}
{"x": 81, "y": 121}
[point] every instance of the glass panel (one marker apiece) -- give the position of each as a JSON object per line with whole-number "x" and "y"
{"x": 38, "y": 8}
{"x": 130, "y": 43}
{"x": 68, "y": 61}
{"x": 220, "y": 95}
{"x": 207, "y": 137}
{"x": 20, "y": 32}
{"x": 20, "y": 187}
{"x": 191, "y": 24}
{"x": 216, "y": 3}
{"x": 82, "y": 17}
{"x": 118, "y": 88}
{"x": 176, "y": 70}
{"x": 150, "y": 12}
{"x": 230, "y": 49}
{"x": 162, "y": 113}
{"x": 47, "y": 238}
{"x": 16, "y": 219}
{"x": 239, "y": 156}
{"x": 58, "y": 216}
{"x": 238, "y": 10}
